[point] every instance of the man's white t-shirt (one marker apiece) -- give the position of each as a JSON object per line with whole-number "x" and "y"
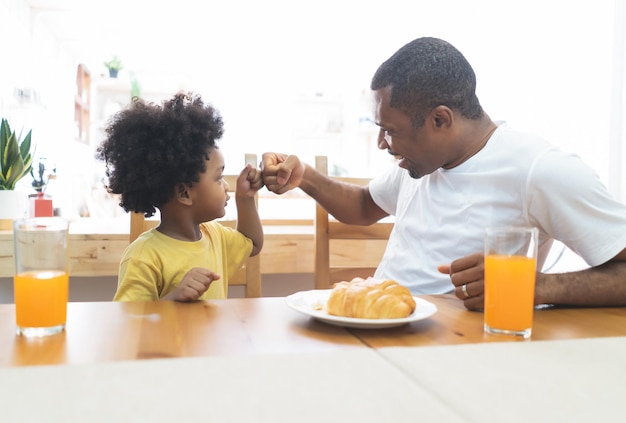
{"x": 517, "y": 179}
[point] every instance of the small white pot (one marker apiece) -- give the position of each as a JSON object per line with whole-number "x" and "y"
{"x": 13, "y": 204}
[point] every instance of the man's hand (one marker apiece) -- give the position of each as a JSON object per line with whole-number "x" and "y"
{"x": 281, "y": 172}
{"x": 468, "y": 277}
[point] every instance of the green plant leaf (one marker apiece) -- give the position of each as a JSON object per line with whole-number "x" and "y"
{"x": 4, "y": 135}
{"x": 15, "y": 156}
{"x": 25, "y": 146}
{"x": 12, "y": 151}
{"x": 16, "y": 171}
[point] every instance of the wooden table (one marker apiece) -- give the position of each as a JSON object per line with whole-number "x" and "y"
{"x": 110, "y": 331}
{"x": 454, "y": 324}
{"x": 258, "y": 360}
{"x": 107, "y": 331}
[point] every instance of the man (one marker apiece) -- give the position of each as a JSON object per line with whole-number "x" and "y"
{"x": 458, "y": 173}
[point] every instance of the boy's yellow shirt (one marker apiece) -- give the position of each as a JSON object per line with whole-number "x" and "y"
{"x": 154, "y": 264}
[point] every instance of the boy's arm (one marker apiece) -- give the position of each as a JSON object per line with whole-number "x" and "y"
{"x": 248, "y": 221}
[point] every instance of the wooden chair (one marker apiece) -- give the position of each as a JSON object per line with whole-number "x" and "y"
{"x": 249, "y": 275}
{"x": 338, "y": 244}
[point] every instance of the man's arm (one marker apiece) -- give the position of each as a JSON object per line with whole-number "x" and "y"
{"x": 348, "y": 203}
{"x": 603, "y": 285}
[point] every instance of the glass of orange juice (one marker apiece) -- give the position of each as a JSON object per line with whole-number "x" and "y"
{"x": 510, "y": 271}
{"x": 41, "y": 279}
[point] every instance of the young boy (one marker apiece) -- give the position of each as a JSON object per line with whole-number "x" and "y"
{"x": 166, "y": 157}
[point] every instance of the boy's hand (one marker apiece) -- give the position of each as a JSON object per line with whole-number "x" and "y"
{"x": 250, "y": 180}
{"x": 194, "y": 284}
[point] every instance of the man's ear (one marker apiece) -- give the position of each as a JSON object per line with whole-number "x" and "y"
{"x": 182, "y": 194}
{"x": 441, "y": 116}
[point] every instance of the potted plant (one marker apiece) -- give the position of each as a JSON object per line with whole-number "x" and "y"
{"x": 40, "y": 204}
{"x": 16, "y": 161}
{"x": 114, "y": 66}
{"x": 39, "y": 182}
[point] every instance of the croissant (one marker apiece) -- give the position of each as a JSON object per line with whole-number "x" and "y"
{"x": 370, "y": 299}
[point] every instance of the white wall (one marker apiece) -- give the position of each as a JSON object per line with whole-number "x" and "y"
{"x": 35, "y": 61}
{"x": 543, "y": 66}
{"x": 287, "y": 81}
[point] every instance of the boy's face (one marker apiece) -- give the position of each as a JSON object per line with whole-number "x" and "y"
{"x": 210, "y": 193}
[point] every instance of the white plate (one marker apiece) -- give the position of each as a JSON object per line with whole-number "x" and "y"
{"x": 312, "y": 304}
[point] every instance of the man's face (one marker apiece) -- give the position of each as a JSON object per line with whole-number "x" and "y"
{"x": 417, "y": 149}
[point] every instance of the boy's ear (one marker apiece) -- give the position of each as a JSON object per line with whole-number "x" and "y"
{"x": 182, "y": 194}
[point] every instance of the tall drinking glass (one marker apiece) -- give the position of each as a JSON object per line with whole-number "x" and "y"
{"x": 510, "y": 271}
{"x": 41, "y": 279}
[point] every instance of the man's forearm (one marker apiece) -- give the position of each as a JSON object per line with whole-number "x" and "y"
{"x": 604, "y": 285}
{"x": 346, "y": 202}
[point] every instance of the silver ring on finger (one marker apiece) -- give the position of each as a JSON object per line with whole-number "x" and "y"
{"x": 464, "y": 289}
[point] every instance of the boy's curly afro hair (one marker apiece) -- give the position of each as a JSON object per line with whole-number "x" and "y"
{"x": 150, "y": 149}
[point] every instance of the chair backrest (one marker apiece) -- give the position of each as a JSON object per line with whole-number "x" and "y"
{"x": 249, "y": 276}
{"x": 337, "y": 244}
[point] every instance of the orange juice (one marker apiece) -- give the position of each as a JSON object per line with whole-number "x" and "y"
{"x": 41, "y": 298}
{"x": 509, "y": 292}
